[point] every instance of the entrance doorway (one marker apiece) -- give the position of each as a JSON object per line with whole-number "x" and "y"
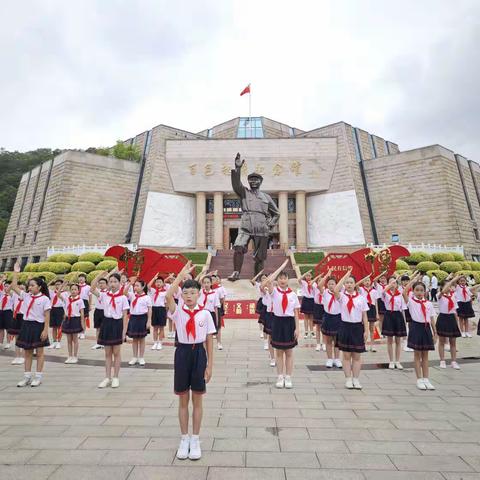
{"x": 233, "y": 232}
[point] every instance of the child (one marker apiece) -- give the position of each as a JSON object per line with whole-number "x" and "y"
{"x": 74, "y": 320}
{"x": 209, "y": 300}
{"x": 192, "y": 365}
{"x": 353, "y": 330}
{"x": 222, "y": 295}
{"x": 380, "y": 286}
{"x": 403, "y": 284}
{"x": 140, "y": 319}
{"x": 285, "y": 324}
{"x": 98, "y": 312}
{"x": 318, "y": 309}
{"x": 370, "y": 293}
{"x": 268, "y": 322}
{"x": 331, "y": 322}
{"x": 448, "y": 322}
{"x": 57, "y": 313}
{"x": 34, "y": 331}
{"x": 307, "y": 306}
{"x": 6, "y": 313}
{"x": 159, "y": 312}
{"x": 114, "y": 326}
{"x": 464, "y": 310}
{"x": 259, "y": 307}
{"x": 16, "y": 325}
{"x": 421, "y": 335}
{"x": 393, "y": 326}
{"x": 85, "y": 296}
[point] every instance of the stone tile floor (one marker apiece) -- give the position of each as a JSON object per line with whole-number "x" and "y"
{"x": 69, "y": 429}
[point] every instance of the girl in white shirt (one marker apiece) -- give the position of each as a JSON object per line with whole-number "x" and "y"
{"x": 308, "y": 292}
{"x": 57, "y": 313}
{"x": 16, "y": 325}
{"x": 210, "y": 301}
{"x": 465, "y": 310}
{"x": 74, "y": 320}
{"x": 157, "y": 289}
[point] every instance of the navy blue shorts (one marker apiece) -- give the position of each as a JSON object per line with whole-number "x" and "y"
{"x": 190, "y": 364}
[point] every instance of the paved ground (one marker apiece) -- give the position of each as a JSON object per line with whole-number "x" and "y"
{"x": 68, "y": 429}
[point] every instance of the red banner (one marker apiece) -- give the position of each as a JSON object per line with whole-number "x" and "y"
{"x": 240, "y": 309}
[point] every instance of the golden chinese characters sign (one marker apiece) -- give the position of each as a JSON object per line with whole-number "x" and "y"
{"x": 288, "y": 164}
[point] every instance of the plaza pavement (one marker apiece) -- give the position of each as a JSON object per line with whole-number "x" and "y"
{"x": 69, "y": 429}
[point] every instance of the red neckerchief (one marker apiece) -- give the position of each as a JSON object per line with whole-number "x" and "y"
{"x": 215, "y": 286}
{"x": 464, "y": 291}
{"x": 284, "y": 294}
{"x": 157, "y": 292}
{"x": 4, "y": 301}
{"x": 32, "y": 301}
{"x": 190, "y": 325}
{"x": 113, "y": 296}
{"x": 369, "y": 297}
{"x": 422, "y": 305}
{"x": 309, "y": 286}
{"x": 136, "y": 299}
{"x": 451, "y": 305}
{"x": 18, "y": 307}
{"x": 332, "y": 299}
{"x": 210, "y": 292}
{"x": 396, "y": 293}
{"x": 71, "y": 301}
{"x": 350, "y": 303}
{"x": 55, "y": 299}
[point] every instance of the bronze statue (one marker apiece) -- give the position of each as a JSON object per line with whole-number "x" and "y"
{"x": 259, "y": 215}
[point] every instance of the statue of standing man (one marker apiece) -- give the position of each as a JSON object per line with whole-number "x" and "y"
{"x": 259, "y": 215}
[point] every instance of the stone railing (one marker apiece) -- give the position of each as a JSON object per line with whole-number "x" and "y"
{"x": 424, "y": 247}
{"x": 79, "y": 249}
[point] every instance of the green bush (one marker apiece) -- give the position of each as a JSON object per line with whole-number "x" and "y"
{"x": 9, "y": 275}
{"x": 458, "y": 257}
{"x": 49, "y": 276}
{"x": 70, "y": 258}
{"x": 43, "y": 266}
{"x": 450, "y": 267}
{"x": 401, "y": 265}
{"x": 106, "y": 265}
{"x": 31, "y": 267}
{"x": 110, "y": 258}
{"x": 476, "y": 275}
{"x": 465, "y": 265}
{"x": 442, "y": 257}
{"x": 93, "y": 257}
{"x": 440, "y": 274}
{"x": 403, "y": 272}
{"x": 310, "y": 258}
{"x": 199, "y": 258}
{"x": 418, "y": 257}
{"x": 86, "y": 267}
{"x": 475, "y": 266}
{"x": 306, "y": 268}
{"x": 58, "y": 267}
{"x": 92, "y": 275}
{"x": 425, "y": 266}
{"x": 72, "y": 277}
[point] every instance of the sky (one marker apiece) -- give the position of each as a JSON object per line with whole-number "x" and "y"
{"x": 77, "y": 74}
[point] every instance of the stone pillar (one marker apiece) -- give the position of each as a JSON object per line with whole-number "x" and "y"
{"x": 218, "y": 220}
{"x": 301, "y": 213}
{"x": 283, "y": 222}
{"x": 201, "y": 225}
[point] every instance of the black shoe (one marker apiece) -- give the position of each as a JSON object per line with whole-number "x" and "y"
{"x": 234, "y": 276}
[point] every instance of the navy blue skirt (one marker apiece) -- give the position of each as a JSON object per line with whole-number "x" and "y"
{"x": 29, "y": 336}
{"x": 111, "y": 332}
{"x": 6, "y": 317}
{"x": 267, "y": 323}
{"x": 331, "y": 324}
{"x": 261, "y": 314}
{"x": 394, "y": 324}
{"x": 16, "y": 325}
{"x": 465, "y": 310}
{"x": 408, "y": 317}
{"x": 318, "y": 312}
{"x": 159, "y": 316}
{"x": 350, "y": 337}
{"x": 372, "y": 313}
{"x": 137, "y": 326}
{"x": 447, "y": 326}
{"x": 420, "y": 337}
{"x": 381, "y": 306}
{"x": 56, "y": 317}
{"x": 307, "y": 305}
{"x": 72, "y": 325}
{"x": 259, "y": 306}
{"x": 283, "y": 333}
{"x": 97, "y": 318}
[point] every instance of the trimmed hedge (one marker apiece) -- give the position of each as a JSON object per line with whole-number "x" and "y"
{"x": 198, "y": 258}
{"x": 49, "y": 276}
{"x": 70, "y": 258}
{"x": 306, "y": 268}
{"x": 401, "y": 265}
{"x": 106, "y": 265}
{"x": 475, "y": 266}
{"x": 310, "y": 258}
{"x": 442, "y": 257}
{"x": 425, "y": 266}
{"x": 92, "y": 275}
{"x": 418, "y": 257}
{"x": 86, "y": 267}
{"x": 403, "y": 272}
{"x": 465, "y": 265}
{"x": 31, "y": 267}
{"x": 110, "y": 258}
{"x": 458, "y": 257}
{"x": 93, "y": 257}
{"x": 476, "y": 275}
{"x": 440, "y": 274}
{"x": 450, "y": 267}
{"x": 72, "y": 277}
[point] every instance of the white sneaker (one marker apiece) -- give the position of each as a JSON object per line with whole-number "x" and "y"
{"x": 154, "y": 346}
{"x": 74, "y": 360}
{"x": 133, "y": 361}
{"x": 96, "y": 346}
{"x": 265, "y": 345}
{"x": 106, "y": 382}
{"x": 58, "y": 345}
{"x": 337, "y": 363}
{"x": 305, "y": 335}
{"x": 468, "y": 334}
{"x": 324, "y": 347}
{"x": 280, "y": 382}
{"x": 14, "y": 361}
{"x": 391, "y": 365}
{"x": 421, "y": 384}
{"x": 81, "y": 336}
{"x": 68, "y": 360}
{"x": 36, "y": 381}
{"x": 356, "y": 384}
{"x": 141, "y": 362}
{"x": 159, "y": 346}
{"x": 349, "y": 383}
{"x": 115, "y": 382}
{"x": 464, "y": 335}
{"x": 443, "y": 364}
{"x": 313, "y": 334}
{"x": 447, "y": 347}
{"x": 261, "y": 335}
{"x": 195, "y": 450}
{"x": 20, "y": 361}
{"x": 398, "y": 365}
{"x": 329, "y": 363}
{"x": 273, "y": 363}
{"x": 427, "y": 383}
{"x": 7, "y": 346}
{"x": 220, "y": 346}
{"x": 288, "y": 381}
{"x": 455, "y": 365}
{"x": 407, "y": 349}
{"x": 318, "y": 347}
{"x": 373, "y": 349}
{"x": 183, "y": 448}
{"x": 51, "y": 346}
{"x": 24, "y": 382}
{"x": 171, "y": 335}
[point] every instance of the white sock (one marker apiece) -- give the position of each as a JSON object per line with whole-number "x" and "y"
{"x": 195, "y": 437}
{"x": 38, "y": 375}
{"x": 185, "y": 437}
{"x": 27, "y": 374}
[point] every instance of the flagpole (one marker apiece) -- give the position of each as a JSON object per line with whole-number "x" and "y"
{"x": 250, "y": 109}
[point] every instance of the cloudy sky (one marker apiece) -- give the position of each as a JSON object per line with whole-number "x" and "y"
{"x": 86, "y": 73}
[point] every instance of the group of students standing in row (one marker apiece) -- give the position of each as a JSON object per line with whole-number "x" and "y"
{"x": 345, "y": 312}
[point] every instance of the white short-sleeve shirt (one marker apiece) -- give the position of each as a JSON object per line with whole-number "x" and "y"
{"x": 203, "y": 324}
{"x": 317, "y": 296}
{"x": 464, "y": 294}
{"x": 307, "y": 288}
{"x": 209, "y": 300}
{"x": 84, "y": 291}
{"x": 221, "y": 292}
{"x": 158, "y": 295}
{"x": 74, "y": 304}
{"x": 56, "y": 299}
{"x": 99, "y": 300}
{"x": 360, "y": 305}
{"x": 398, "y": 300}
{"x": 277, "y": 297}
{"x": 139, "y": 304}
{"x": 370, "y": 294}
{"x": 114, "y": 304}
{"x": 415, "y": 308}
{"x": 448, "y": 303}
{"x": 35, "y": 307}
{"x": 331, "y": 306}
{"x": 6, "y": 302}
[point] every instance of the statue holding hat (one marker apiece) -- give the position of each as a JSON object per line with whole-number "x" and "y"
{"x": 259, "y": 215}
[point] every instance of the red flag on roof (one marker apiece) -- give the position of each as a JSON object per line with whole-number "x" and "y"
{"x": 245, "y": 90}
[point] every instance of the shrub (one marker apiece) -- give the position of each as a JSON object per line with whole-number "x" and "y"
{"x": 43, "y": 266}
{"x": 440, "y": 274}
{"x": 70, "y": 258}
{"x": 401, "y": 265}
{"x": 93, "y": 257}
{"x": 106, "y": 265}
{"x": 199, "y": 258}
{"x": 92, "y": 275}
{"x": 418, "y": 257}
{"x": 458, "y": 257}
{"x": 475, "y": 266}
{"x": 403, "y": 272}
{"x": 72, "y": 277}
{"x": 465, "y": 265}
{"x": 311, "y": 258}
{"x": 306, "y": 268}
{"x": 49, "y": 276}
{"x": 450, "y": 267}
{"x": 110, "y": 258}
{"x": 425, "y": 266}
{"x": 58, "y": 267}
{"x": 442, "y": 257}
{"x": 9, "y": 275}
{"x": 476, "y": 275}
{"x": 31, "y": 267}
{"x": 86, "y": 267}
